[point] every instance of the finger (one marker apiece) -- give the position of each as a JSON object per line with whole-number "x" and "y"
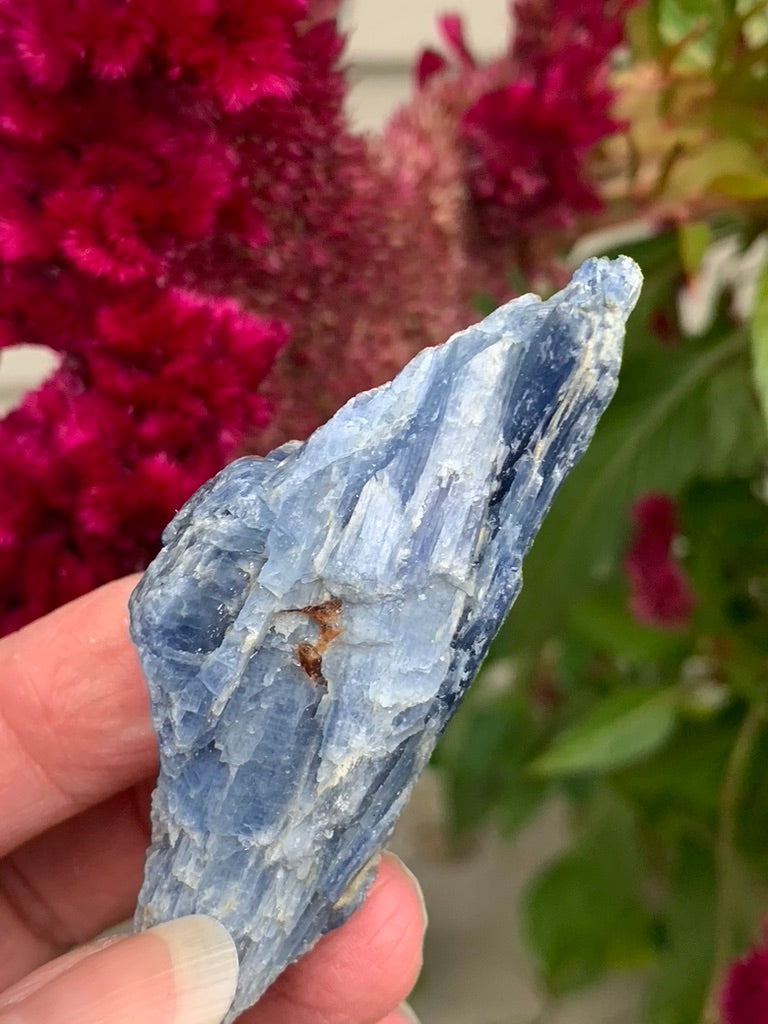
{"x": 183, "y": 972}
{"x": 361, "y": 972}
{"x": 67, "y": 885}
{"x": 74, "y": 714}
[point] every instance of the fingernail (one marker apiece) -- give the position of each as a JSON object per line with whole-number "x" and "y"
{"x": 414, "y": 882}
{"x": 406, "y": 1012}
{"x": 205, "y": 968}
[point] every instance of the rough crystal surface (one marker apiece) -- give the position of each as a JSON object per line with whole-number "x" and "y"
{"x": 315, "y": 616}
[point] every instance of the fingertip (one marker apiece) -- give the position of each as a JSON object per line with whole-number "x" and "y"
{"x": 394, "y": 917}
{"x": 205, "y": 968}
{"x": 181, "y": 972}
{"x": 391, "y": 861}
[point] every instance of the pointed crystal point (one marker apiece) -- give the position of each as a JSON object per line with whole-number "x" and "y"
{"x": 315, "y": 616}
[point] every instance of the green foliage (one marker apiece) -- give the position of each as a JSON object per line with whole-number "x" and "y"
{"x": 693, "y": 241}
{"x": 752, "y": 821}
{"x": 677, "y": 993}
{"x": 483, "y": 758}
{"x": 602, "y": 621}
{"x": 741, "y": 186}
{"x": 654, "y": 733}
{"x": 701, "y": 21}
{"x": 626, "y": 727}
{"x": 679, "y": 787}
{"x": 583, "y": 914}
{"x": 759, "y": 341}
{"x": 727, "y": 527}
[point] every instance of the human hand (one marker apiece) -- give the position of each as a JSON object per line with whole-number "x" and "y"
{"x": 77, "y": 759}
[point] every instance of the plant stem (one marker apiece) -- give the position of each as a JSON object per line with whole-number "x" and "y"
{"x": 726, "y": 858}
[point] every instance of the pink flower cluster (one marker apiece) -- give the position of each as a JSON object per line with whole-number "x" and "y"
{"x": 118, "y": 159}
{"x": 527, "y": 139}
{"x": 181, "y": 199}
{"x": 660, "y": 594}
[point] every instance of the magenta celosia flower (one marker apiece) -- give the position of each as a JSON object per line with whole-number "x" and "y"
{"x": 430, "y": 62}
{"x": 526, "y": 149}
{"x": 527, "y": 139}
{"x": 744, "y": 998}
{"x": 451, "y": 29}
{"x": 660, "y": 594}
{"x": 118, "y": 160}
{"x": 119, "y": 437}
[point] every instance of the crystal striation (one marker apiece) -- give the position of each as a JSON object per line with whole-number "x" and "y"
{"x": 315, "y": 616}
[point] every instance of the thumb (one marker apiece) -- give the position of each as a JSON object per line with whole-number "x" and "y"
{"x": 181, "y": 972}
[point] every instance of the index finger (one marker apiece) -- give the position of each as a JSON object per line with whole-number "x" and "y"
{"x": 74, "y": 714}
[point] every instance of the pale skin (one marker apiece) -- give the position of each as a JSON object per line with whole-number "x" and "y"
{"x": 77, "y": 759}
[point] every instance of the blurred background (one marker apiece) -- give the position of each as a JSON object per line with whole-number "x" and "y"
{"x": 476, "y": 970}
{"x": 592, "y": 837}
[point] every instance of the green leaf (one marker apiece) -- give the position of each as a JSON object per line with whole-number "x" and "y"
{"x": 693, "y": 241}
{"x": 703, "y": 19}
{"x": 603, "y": 621}
{"x": 754, "y": 21}
{"x": 641, "y": 32}
{"x": 581, "y": 916}
{"x": 738, "y": 440}
{"x": 733, "y": 112}
{"x": 759, "y": 341}
{"x": 523, "y": 798}
{"x": 741, "y": 186}
{"x": 677, "y": 993}
{"x": 626, "y": 727}
{"x": 726, "y": 523}
{"x": 682, "y": 781}
{"x": 724, "y": 165}
{"x": 482, "y": 757}
{"x": 752, "y": 821}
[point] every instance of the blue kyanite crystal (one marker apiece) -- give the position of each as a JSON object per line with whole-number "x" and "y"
{"x": 315, "y": 616}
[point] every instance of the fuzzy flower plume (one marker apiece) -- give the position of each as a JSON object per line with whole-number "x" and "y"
{"x": 660, "y": 594}
{"x": 118, "y": 159}
{"x": 182, "y": 198}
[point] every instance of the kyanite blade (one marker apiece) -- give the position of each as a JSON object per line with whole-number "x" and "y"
{"x": 314, "y": 617}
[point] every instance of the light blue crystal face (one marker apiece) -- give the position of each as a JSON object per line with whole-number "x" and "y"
{"x": 315, "y": 616}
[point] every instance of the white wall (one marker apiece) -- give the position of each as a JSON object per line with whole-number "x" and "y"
{"x": 390, "y": 30}
{"x": 386, "y": 35}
